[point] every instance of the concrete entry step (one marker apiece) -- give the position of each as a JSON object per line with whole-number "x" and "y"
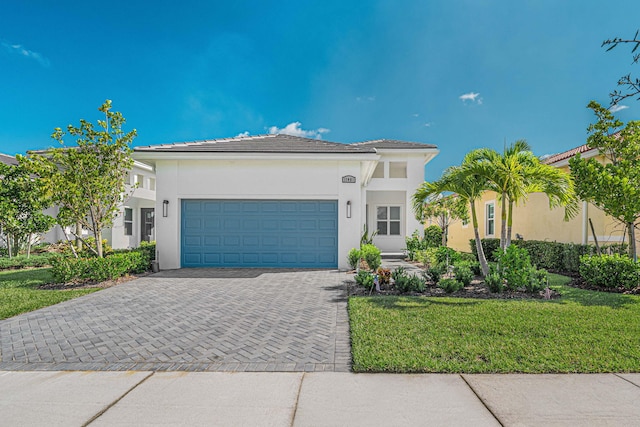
{"x": 393, "y": 255}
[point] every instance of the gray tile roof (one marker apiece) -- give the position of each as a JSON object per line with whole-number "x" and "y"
{"x": 272, "y": 143}
{"x": 394, "y": 144}
{"x": 8, "y": 160}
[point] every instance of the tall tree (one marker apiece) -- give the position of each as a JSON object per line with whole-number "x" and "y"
{"x": 516, "y": 173}
{"x": 613, "y": 186}
{"x": 469, "y": 188}
{"x": 445, "y": 210}
{"x": 87, "y": 181}
{"x": 22, "y": 202}
{"x": 632, "y": 84}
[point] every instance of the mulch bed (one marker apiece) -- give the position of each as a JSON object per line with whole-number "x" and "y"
{"x": 476, "y": 289}
{"x": 90, "y": 284}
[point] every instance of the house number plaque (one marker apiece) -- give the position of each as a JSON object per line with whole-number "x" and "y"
{"x": 348, "y": 179}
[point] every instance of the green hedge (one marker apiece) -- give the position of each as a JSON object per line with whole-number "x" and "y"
{"x": 21, "y": 261}
{"x": 610, "y": 271}
{"x": 68, "y": 269}
{"x": 555, "y": 256}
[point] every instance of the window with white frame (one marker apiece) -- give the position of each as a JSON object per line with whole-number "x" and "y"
{"x": 490, "y": 218}
{"x": 128, "y": 222}
{"x": 140, "y": 180}
{"x": 388, "y": 220}
{"x": 152, "y": 184}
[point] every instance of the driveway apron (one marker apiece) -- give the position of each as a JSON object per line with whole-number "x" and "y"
{"x": 190, "y": 320}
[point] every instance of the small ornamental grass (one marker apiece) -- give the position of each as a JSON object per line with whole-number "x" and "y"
{"x": 445, "y": 334}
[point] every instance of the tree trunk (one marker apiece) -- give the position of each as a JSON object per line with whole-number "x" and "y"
{"x": 9, "y": 241}
{"x": 632, "y": 241}
{"x": 78, "y": 233}
{"x": 99, "y": 243}
{"x": 29, "y": 245}
{"x": 509, "y": 225}
{"x": 503, "y": 224}
{"x": 484, "y": 266}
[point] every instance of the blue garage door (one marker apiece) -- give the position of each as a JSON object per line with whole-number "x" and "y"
{"x": 259, "y": 233}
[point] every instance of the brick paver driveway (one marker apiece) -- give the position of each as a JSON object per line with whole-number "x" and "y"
{"x": 190, "y": 320}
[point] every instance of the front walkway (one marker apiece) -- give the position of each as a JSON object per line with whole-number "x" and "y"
{"x": 190, "y": 320}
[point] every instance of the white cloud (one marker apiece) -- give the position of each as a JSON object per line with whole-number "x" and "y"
{"x": 428, "y": 125}
{"x": 365, "y": 98}
{"x": 295, "y": 129}
{"x": 243, "y": 134}
{"x": 415, "y": 115}
{"x": 20, "y": 50}
{"x": 471, "y": 96}
{"x": 617, "y": 107}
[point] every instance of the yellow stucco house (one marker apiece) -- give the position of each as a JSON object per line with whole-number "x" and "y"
{"x": 534, "y": 220}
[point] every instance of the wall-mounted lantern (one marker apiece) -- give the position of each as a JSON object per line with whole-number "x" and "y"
{"x": 165, "y": 208}
{"x": 349, "y": 209}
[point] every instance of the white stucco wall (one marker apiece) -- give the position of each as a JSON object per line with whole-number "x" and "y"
{"x": 398, "y": 192}
{"x": 294, "y": 179}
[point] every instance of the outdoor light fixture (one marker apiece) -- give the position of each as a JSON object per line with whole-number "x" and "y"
{"x": 165, "y": 208}
{"x": 349, "y": 209}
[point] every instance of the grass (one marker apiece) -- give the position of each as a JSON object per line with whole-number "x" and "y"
{"x": 19, "y": 291}
{"x": 583, "y": 331}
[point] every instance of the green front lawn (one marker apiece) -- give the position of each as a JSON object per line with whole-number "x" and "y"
{"x": 19, "y": 291}
{"x": 583, "y": 331}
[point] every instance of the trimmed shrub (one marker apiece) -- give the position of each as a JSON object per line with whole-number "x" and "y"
{"x": 494, "y": 282}
{"x": 365, "y": 279}
{"x": 435, "y": 272}
{"x": 427, "y": 256}
{"x": 450, "y": 285}
{"x": 538, "y": 280}
{"x": 409, "y": 283}
{"x": 447, "y": 256}
{"x": 514, "y": 266}
{"x": 371, "y": 255}
{"x": 462, "y": 271}
{"x": 432, "y": 237}
{"x": 610, "y": 271}
{"x": 21, "y": 261}
{"x": 354, "y": 258}
{"x": 149, "y": 248}
{"x": 67, "y": 269}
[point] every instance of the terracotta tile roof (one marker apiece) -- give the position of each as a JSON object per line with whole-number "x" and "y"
{"x": 566, "y": 154}
{"x": 272, "y": 143}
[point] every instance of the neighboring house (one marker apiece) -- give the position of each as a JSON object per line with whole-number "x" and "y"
{"x": 534, "y": 220}
{"x": 135, "y": 222}
{"x": 280, "y": 200}
{"x": 8, "y": 160}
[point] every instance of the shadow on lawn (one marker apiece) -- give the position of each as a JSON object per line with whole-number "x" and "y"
{"x": 28, "y": 278}
{"x": 569, "y": 295}
{"x": 595, "y": 298}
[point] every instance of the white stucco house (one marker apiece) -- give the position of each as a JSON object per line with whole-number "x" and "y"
{"x": 281, "y": 200}
{"x": 135, "y": 221}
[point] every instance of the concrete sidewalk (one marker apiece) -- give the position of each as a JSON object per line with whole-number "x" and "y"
{"x": 75, "y": 398}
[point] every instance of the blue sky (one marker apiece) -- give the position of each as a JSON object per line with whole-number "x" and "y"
{"x": 460, "y": 74}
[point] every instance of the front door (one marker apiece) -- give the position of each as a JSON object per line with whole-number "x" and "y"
{"x": 147, "y": 231}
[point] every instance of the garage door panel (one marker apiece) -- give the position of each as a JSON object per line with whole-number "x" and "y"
{"x": 259, "y": 233}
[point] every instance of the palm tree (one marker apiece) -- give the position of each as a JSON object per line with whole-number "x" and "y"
{"x": 515, "y": 174}
{"x": 468, "y": 186}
